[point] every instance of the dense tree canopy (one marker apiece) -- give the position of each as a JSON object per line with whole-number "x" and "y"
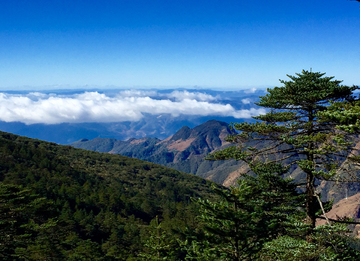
{"x": 256, "y": 211}
{"x": 262, "y": 219}
{"x": 61, "y": 203}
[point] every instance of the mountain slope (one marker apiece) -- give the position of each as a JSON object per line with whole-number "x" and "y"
{"x": 62, "y": 203}
{"x": 184, "y": 151}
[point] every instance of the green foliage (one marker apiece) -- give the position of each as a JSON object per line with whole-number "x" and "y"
{"x": 61, "y": 203}
{"x": 25, "y": 220}
{"x": 261, "y": 219}
{"x": 287, "y": 248}
{"x": 159, "y": 246}
{"x": 299, "y": 131}
{"x": 256, "y": 211}
{"x": 345, "y": 114}
{"x": 330, "y": 243}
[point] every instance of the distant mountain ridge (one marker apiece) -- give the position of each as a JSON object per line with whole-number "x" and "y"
{"x": 149, "y": 123}
{"x": 184, "y": 151}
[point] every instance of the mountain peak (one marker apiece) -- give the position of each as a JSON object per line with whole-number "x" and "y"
{"x": 212, "y": 128}
{"x": 182, "y": 134}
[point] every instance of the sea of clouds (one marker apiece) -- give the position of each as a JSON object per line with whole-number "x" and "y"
{"x": 126, "y": 105}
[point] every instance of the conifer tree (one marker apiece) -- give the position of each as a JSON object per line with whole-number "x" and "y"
{"x": 292, "y": 134}
{"x": 23, "y": 221}
{"x": 157, "y": 245}
{"x": 257, "y": 211}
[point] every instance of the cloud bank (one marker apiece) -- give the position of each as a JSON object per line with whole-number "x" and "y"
{"x": 98, "y": 107}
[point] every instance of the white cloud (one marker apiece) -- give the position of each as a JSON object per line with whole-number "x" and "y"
{"x": 137, "y": 93}
{"x": 182, "y": 95}
{"x": 246, "y": 101}
{"x": 97, "y": 107}
{"x": 252, "y": 90}
{"x": 245, "y": 114}
{"x": 37, "y": 95}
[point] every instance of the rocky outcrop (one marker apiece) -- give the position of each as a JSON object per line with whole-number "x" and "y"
{"x": 347, "y": 207}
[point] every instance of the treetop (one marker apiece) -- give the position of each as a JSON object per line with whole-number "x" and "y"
{"x": 307, "y": 90}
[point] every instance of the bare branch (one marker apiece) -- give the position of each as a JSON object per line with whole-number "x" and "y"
{"x": 322, "y": 208}
{"x": 339, "y": 221}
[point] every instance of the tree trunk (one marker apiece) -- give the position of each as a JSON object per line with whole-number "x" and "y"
{"x": 310, "y": 186}
{"x": 310, "y": 206}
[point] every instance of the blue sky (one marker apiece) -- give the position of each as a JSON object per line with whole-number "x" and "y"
{"x": 175, "y": 43}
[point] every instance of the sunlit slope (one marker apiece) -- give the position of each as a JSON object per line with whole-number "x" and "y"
{"x": 100, "y": 201}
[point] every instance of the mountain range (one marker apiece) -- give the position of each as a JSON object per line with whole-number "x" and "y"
{"x": 184, "y": 151}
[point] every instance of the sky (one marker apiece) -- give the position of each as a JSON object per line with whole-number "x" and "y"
{"x": 134, "y": 44}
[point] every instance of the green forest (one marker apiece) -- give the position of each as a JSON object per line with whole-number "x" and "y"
{"x": 62, "y": 203}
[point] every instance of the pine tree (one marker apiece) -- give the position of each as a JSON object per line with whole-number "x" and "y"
{"x": 157, "y": 245}
{"x": 23, "y": 223}
{"x": 291, "y": 133}
{"x": 258, "y": 210}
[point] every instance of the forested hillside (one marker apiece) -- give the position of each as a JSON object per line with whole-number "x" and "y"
{"x": 62, "y": 203}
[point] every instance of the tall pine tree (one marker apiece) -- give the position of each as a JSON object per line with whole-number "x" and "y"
{"x": 292, "y": 134}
